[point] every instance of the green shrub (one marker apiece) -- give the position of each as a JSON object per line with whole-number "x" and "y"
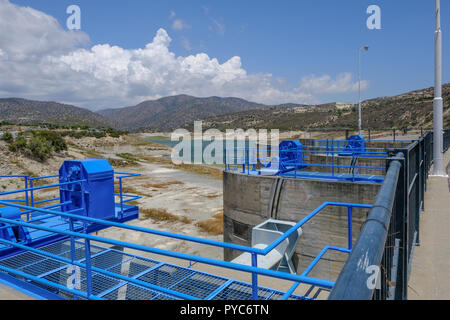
{"x": 39, "y": 148}
{"x": 54, "y": 139}
{"x": 99, "y": 135}
{"x": 7, "y": 137}
{"x": 19, "y": 144}
{"x": 38, "y": 144}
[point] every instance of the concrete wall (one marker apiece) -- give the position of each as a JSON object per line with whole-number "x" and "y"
{"x": 247, "y": 202}
{"x": 369, "y": 144}
{"x": 346, "y": 161}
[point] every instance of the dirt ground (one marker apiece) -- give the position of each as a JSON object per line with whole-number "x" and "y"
{"x": 186, "y": 198}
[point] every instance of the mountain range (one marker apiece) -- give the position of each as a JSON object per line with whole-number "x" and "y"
{"x": 412, "y": 109}
{"x": 22, "y": 111}
{"x": 167, "y": 114}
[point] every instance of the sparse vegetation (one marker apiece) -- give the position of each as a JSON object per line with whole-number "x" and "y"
{"x": 78, "y": 133}
{"x": 129, "y": 190}
{"x": 212, "y": 196}
{"x": 193, "y": 168}
{"x": 7, "y": 137}
{"x": 38, "y": 145}
{"x": 163, "y": 215}
{"x": 200, "y": 169}
{"x": 162, "y": 185}
{"x": 412, "y": 110}
{"x": 213, "y": 226}
{"x": 118, "y": 163}
{"x": 39, "y": 148}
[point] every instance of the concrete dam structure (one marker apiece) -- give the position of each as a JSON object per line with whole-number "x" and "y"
{"x": 308, "y": 228}
{"x": 250, "y": 199}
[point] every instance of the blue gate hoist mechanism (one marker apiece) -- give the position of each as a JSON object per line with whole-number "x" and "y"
{"x": 356, "y": 146}
{"x": 291, "y": 158}
{"x": 86, "y": 188}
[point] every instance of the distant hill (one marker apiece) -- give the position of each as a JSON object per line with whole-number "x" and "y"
{"x": 22, "y": 111}
{"x": 174, "y": 112}
{"x": 413, "y": 110}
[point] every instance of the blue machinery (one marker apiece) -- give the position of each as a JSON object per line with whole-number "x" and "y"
{"x": 325, "y": 160}
{"x": 355, "y": 145}
{"x": 46, "y": 250}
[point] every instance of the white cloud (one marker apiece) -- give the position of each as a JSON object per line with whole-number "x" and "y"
{"x": 220, "y": 27}
{"x": 186, "y": 44}
{"x": 40, "y": 60}
{"x": 179, "y": 25}
{"x": 326, "y": 85}
{"x": 26, "y": 33}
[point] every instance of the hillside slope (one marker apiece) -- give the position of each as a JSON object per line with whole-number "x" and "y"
{"x": 22, "y": 111}
{"x": 413, "y": 110}
{"x": 170, "y": 113}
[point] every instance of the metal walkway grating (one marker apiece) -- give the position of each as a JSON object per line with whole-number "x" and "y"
{"x": 183, "y": 280}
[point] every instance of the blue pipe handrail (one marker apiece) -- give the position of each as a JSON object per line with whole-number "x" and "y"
{"x": 250, "y": 157}
{"x": 183, "y": 256}
{"x": 31, "y": 189}
{"x": 253, "y": 269}
{"x": 197, "y": 239}
{"x": 124, "y": 175}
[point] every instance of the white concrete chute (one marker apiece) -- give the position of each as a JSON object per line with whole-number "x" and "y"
{"x": 280, "y": 258}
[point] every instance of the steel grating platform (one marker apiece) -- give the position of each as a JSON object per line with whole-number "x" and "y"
{"x": 126, "y": 266}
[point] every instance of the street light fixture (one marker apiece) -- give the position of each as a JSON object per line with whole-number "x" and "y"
{"x": 438, "y": 165}
{"x": 359, "y": 87}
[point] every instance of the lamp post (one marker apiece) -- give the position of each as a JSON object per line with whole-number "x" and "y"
{"x": 438, "y": 122}
{"x": 359, "y": 87}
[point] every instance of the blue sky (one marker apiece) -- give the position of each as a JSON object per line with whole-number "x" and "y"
{"x": 289, "y": 40}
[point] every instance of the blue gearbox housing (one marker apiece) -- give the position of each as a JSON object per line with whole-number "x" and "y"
{"x": 96, "y": 191}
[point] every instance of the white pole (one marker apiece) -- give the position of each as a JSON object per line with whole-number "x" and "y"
{"x": 438, "y": 122}
{"x": 359, "y": 88}
{"x": 359, "y": 91}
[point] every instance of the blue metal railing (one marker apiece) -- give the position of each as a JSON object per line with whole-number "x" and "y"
{"x": 392, "y": 229}
{"x": 26, "y": 182}
{"x": 331, "y": 143}
{"x": 124, "y": 175}
{"x": 253, "y": 270}
{"x": 250, "y": 160}
{"x": 32, "y": 190}
{"x": 29, "y": 190}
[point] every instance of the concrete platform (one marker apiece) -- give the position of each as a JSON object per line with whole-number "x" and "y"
{"x": 430, "y": 278}
{"x": 7, "y": 293}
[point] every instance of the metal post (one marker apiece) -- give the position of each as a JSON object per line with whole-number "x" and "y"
{"x": 72, "y": 250}
{"x": 359, "y": 91}
{"x": 350, "y": 232}
{"x": 438, "y": 103}
{"x": 359, "y": 88}
{"x": 121, "y": 198}
{"x": 26, "y": 192}
{"x": 87, "y": 251}
{"x": 332, "y": 158}
{"x": 254, "y": 277}
{"x": 31, "y": 193}
{"x": 26, "y": 196}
